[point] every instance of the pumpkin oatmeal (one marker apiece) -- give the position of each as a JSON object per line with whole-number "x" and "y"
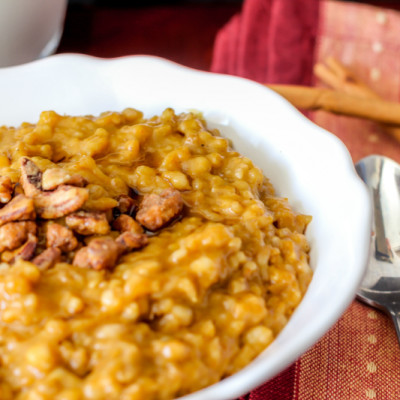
{"x": 140, "y": 258}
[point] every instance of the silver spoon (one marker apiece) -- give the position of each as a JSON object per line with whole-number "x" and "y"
{"x": 381, "y": 285}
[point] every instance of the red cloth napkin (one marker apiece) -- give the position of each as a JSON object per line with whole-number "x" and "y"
{"x": 279, "y": 41}
{"x": 270, "y": 41}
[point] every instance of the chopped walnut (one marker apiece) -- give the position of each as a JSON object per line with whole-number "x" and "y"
{"x": 88, "y": 223}
{"x": 54, "y": 177}
{"x": 6, "y": 189}
{"x": 126, "y": 205}
{"x": 101, "y": 253}
{"x": 18, "y": 189}
{"x": 60, "y": 202}
{"x": 53, "y": 204}
{"x": 131, "y": 240}
{"x": 125, "y": 223}
{"x": 13, "y": 234}
{"x": 155, "y": 210}
{"x": 61, "y": 237}
{"x": 47, "y": 258}
{"x": 31, "y": 178}
{"x": 25, "y": 252}
{"x": 20, "y": 208}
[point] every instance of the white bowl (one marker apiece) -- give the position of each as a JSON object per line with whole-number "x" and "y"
{"x": 305, "y": 163}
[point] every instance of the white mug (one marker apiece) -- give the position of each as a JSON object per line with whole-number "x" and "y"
{"x": 29, "y": 29}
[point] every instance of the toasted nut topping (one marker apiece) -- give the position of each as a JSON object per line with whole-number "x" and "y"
{"x": 54, "y": 177}
{"x": 18, "y": 189}
{"x": 61, "y": 237}
{"x": 155, "y": 210}
{"x": 13, "y": 234}
{"x": 31, "y": 178}
{"x": 60, "y": 202}
{"x": 47, "y": 258}
{"x": 20, "y": 208}
{"x": 101, "y": 253}
{"x": 25, "y": 252}
{"x": 6, "y": 189}
{"x": 125, "y": 223}
{"x": 88, "y": 223}
{"x": 131, "y": 240}
{"x": 126, "y": 205}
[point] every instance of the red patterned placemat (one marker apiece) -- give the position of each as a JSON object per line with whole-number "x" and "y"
{"x": 357, "y": 359}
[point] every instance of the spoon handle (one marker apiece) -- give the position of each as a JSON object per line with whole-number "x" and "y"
{"x": 395, "y": 314}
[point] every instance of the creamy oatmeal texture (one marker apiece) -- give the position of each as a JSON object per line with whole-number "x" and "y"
{"x": 140, "y": 258}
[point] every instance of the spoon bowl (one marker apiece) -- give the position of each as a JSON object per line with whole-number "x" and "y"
{"x": 380, "y": 287}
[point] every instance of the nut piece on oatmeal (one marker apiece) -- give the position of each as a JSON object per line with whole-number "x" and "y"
{"x": 156, "y": 210}
{"x": 88, "y": 223}
{"x": 101, "y": 253}
{"x": 126, "y": 205}
{"x": 18, "y": 190}
{"x": 31, "y": 178}
{"x": 61, "y": 237}
{"x": 131, "y": 240}
{"x": 125, "y": 223}
{"x": 25, "y": 252}
{"x": 20, "y": 208}
{"x": 6, "y": 189}
{"x": 47, "y": 258}
{"x": 54, "y": 177}
{"x": 13, "y": 234}
{"x": 60, "y": 202}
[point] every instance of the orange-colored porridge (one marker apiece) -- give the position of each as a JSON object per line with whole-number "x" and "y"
{"x": 141, "y": 258}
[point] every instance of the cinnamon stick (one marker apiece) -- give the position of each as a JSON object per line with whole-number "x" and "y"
{"x": 336, "y": 76}
{"x": 337, "y": 102}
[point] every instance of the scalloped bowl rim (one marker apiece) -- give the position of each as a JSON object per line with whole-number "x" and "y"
{"x": 305, "y": 163}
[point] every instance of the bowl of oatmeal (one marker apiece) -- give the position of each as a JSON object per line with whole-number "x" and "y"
{"x": 165, "y": 233}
